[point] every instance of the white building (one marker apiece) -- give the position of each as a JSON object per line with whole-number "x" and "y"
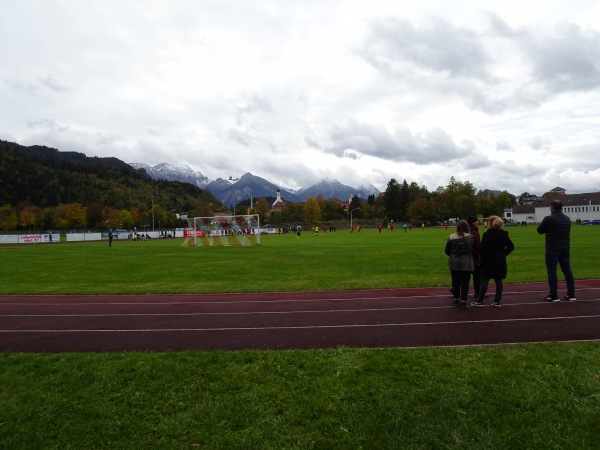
{"x": 278, "y": 204}
{"x": 579, "y": 207}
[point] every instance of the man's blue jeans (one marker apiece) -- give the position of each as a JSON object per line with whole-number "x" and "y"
{"x": 562, "y": 257}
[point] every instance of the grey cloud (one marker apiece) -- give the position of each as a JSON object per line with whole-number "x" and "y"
{"x": 20, "y": 85}
{"x": 46, "y": 124}
{"x": 403, "y": 146}
{"x": 480, "y": 161}
{"x": 503, "y": 145}
{"x": 52, "y": 84}
{"x": 253, "y": 105}
{"x": 312, "y": 142}
{"x": 240, "y": 137}
{"x": 563, "y": 61}
{"x": 537, "y": 143}
{"x": 437, "y": 47}
{"x": 499, "y": 27}
{"x": 350, "y": 154}
{"x": 568, "y": 60}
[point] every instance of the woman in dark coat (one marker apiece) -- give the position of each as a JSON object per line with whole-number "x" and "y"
{"x": 495, "y": 247}
{"x": 459, "y": 248}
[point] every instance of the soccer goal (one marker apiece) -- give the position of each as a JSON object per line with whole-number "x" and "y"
{"x": 225, "y": 231}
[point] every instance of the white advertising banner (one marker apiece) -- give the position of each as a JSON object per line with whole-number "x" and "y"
{"x": 9, "y": 238}
{"x": 30, "y": 238}
{"x": 83, "y": 237}
{"x": 33, "y": 238}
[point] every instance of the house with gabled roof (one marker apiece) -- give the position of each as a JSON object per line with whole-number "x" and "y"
{"x": 558, "y": 190}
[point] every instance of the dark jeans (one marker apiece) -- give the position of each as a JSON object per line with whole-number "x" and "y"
{"x": 562, "y": 257}
{"x": 485, "y": 281}
{"x": 460, "y": 283}
{"x": 477, "y": 280}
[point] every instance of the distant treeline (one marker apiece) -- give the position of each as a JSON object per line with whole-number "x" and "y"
{"x": 42, "y": 188}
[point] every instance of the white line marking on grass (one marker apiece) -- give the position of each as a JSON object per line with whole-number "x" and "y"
{"x": 307, "y": 327}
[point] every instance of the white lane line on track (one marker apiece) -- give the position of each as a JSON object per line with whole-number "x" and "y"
{"x": 290, "y": 312}
{"x": 267, "y": 301}
{"x": 307, "y": 327}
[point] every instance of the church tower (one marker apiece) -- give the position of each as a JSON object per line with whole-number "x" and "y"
{"x": 278, "y": 204}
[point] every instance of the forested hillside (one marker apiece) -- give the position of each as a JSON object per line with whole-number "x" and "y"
{"x": 37, "y": 182}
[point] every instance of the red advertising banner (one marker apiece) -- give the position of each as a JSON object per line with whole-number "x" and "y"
{"x": 190, "y": 233}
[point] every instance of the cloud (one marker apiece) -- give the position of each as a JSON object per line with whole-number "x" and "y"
{"x": 360, "y": 92}
{"x": 53, "y": 84}
{"x": 240, "y": 137}
{"x": 255, "y": 104}
{"x": 435, "y": 46}
{"x": 478, "y": 66}
{"x": 357, "y": 138}
{"x": 566, "y": 60}
{"x": 46, "y": 125}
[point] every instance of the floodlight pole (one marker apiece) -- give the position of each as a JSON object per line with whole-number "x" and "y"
{"x": 153, "y": 213}
{"x": 351, "y": 216}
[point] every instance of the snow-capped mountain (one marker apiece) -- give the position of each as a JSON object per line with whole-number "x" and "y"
{"x": 329, "y": 188}
{"x": 165, "y": 171}
{"x": 231, "y": 192}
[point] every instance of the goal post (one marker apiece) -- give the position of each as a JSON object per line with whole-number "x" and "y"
{"x": 224, "y": 231}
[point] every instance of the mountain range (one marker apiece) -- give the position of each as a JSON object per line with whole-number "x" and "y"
{"x": 234, "y": 191}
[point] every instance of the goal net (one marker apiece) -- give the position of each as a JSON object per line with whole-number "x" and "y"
{"x": 226, "y": 231}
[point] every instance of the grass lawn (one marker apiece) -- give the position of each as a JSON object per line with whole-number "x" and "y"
{"x": 518, "y": 396}
{"x": 340, "y": 260}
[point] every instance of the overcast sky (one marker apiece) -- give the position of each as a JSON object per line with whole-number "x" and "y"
{"x": 504, "y": 94}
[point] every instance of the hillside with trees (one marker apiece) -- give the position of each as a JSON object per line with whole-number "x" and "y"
{"x": 43, "y": 188}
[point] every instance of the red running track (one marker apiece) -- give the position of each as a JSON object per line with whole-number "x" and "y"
{"x": 300, "y": 320}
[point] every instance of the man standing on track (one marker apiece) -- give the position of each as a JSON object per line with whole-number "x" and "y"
{"x": 557, "y": 227}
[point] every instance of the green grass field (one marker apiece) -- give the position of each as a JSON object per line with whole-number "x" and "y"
{"x": 340, "y": 260}
{"x": 519, "y": 396}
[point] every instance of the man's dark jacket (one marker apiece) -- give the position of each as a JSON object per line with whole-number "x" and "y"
{"x": 557, "y": 227}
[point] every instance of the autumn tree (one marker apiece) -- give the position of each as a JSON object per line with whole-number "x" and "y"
{"x": 293, "y": 213}
{"x": 421, "y": 210}
{"x": 94, "y": 215}
{"x": 126, "y": 220}
{"x": 275, "y": 218}
{"x": 241, "y": 210}
{"x": 466, "y": 206}
{"x": 28, "y": 217}
{"x": 162, "y": 217}
{"x": 505, "y": 200}
{"x": 460, "y": 198}
{"x": 263, "y": 209}
{"x": 69, "y": 216}
{"x": 333, "y": 210}
{"x": 322, "y": 202}
{"x": 111, "y": 218}
{"x": 485, "y": 206}
{"x": 312, "y": 212}
{"x": 8, "y": 217}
